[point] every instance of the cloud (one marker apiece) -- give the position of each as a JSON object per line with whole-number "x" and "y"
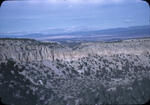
{"x": 71, "y": 2}
{"x": 128, "y": 21}
{"x": 82, "y": 1}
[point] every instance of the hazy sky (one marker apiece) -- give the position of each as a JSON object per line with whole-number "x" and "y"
{"x": 39, "y": 15}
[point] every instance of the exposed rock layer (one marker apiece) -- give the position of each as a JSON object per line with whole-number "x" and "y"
{"x": 105, "y": 73}
{"x": 31, "y": 50}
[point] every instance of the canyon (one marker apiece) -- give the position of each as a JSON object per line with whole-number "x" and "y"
{"x": 96, "y": 73}
{"x": 32, "y": 50}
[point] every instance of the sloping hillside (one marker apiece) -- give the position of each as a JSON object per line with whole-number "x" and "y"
{"x": 102, "y": 73}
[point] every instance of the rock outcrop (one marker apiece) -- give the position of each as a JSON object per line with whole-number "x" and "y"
{"x": 91, "y": 73}
{"x": 32, "y": 50}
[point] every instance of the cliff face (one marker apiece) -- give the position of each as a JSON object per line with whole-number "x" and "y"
{"x": 31, "y": 50}
{"x": 87, "y": 73}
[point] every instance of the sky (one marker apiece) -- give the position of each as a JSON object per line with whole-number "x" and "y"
{"x": 54, "y": 16}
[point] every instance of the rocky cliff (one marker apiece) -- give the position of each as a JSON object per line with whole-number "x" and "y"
{"x": 32, "y": 50}
{"x": 29, "y": 50}
{"x": 91, "y": 73}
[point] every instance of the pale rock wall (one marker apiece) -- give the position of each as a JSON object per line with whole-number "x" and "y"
{"x": 31, "y": 50}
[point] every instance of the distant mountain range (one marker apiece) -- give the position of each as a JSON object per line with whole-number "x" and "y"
{"x": 107, "y": 34}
